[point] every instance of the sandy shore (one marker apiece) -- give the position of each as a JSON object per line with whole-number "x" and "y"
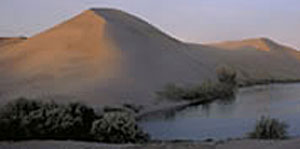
{"x": 237, "y": 144}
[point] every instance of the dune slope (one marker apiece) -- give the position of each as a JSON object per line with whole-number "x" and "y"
{"x": 254, "y": 59}
{"x": 102, "y": 56}
{"x": 106, "y": 56}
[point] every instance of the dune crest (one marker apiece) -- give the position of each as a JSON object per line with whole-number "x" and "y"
{"x": 262, "y": 44}
{"x": 64, "y": 58}
{"x": 106, "y": 56}
{"x": 66, "y": 47}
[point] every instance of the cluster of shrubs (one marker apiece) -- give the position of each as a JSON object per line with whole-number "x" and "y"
{"x": 224, "y": 88}
{"x": 25, "y": 119}
{"x": 120, "y": 127}
{"x": 269, "y": 128}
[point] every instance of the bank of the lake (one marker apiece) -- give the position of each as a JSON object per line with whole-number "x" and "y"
{"x": 172, "y": 107}
{"x": 230, "y": 120}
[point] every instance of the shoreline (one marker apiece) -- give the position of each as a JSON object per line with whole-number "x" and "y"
{"x": 169, "y": 109}
{"x": 267, "y": 82}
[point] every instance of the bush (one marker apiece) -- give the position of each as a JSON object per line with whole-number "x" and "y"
{"x": 269, "y": 128}
{"x": 118, "y": 127}
{"x": 172, "y": 91}
{"x": 224, "y": 91}
{"x": 54, "y": 121}
{"x": 28, "y": 119}
{"x": 25, "y": 119}
{"x": 226, "y": 75}
{"x": 11, "y": 118}
{"x": 207, "y": 91}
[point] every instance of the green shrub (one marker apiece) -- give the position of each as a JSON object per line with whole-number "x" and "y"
{"x": 172, "y": 91}
{"x": 28, "y": 119}
{"x": 25, "y": 119}
{"x": 19, "y": 108}
{"x": 12, "y": 118}
{"x": 225, "y": 90}
{"x": 54, "y": 121}
{"x": 226, "y": 75}
{"x": 118, "y": 127}
{"x": 207, "y": 91}
{"x": 269, "y": 128}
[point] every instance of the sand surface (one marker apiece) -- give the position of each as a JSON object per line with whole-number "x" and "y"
{"x": 106, "y": 56}
{"x": 245, "y": 144}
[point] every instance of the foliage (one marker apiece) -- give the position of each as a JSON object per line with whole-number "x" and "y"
{"x": 11, "y": 118}
{"x": 207, "y": 91}
{"x": 28, "y": 119}
{"x": 269, "y": 128}
{"x": 25, "y": 119}
{"x": 226, "y": 75}
{"x": 172, "y": 91}
{"x": 118, "y": 127}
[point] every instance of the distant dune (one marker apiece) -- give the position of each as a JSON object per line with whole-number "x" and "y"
{"x": 254, "y": 59}
{"x": 4, "y": 41}
{"x": 262, "y": 44}
{"x": 106, "y": 56}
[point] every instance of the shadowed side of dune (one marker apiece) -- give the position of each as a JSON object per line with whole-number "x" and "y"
{"x": 254, "y": 59}
{"x": 106, "y": 56}
{"x": 101, "y": 56}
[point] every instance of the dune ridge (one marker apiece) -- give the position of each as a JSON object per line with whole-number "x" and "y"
{"x": 106, "y": 56}
{"x": 263, "y": 44}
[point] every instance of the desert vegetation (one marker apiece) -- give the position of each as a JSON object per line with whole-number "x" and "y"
{"x": 208, "y": 91}
{"x": 118, "y": 127}
{"x": 25, "y": 119}
{"x": 269, "y": 128}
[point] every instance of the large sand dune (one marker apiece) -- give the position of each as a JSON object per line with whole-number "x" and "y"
{"x": 106, "y": 56}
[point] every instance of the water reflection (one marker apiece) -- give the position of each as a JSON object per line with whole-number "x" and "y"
{"x": 173, "y": 113}
{"x": 230, "y": 118}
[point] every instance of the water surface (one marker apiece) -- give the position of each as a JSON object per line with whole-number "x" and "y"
{"x": 233, "y": 119}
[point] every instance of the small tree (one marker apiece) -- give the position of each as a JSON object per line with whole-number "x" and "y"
{"x": 269, "y": 128}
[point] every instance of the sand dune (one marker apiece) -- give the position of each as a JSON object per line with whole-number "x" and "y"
{"x": 262, "y": 44}
{"x": 254, "y": 59}
{"x": 106, "y": 56}
{"x": 5, "y": 41}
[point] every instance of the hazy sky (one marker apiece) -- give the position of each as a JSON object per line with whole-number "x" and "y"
{"x": 189, "y": 20}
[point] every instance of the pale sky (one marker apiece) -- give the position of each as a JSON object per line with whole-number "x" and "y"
{"x": 197, "y": 21}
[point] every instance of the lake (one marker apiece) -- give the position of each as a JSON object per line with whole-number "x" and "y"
{"x": 234, "y": 119}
